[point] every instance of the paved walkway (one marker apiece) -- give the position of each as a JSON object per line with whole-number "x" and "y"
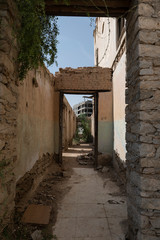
{"x": 92, "y": 209}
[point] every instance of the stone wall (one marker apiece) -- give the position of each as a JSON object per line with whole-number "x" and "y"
{"x": 29, "y": 117}
{"x": 83, "y": 79}
{"x": 69, "y": 124}
{"x": 8, "y": 109}
{"x": 142, "y": 116}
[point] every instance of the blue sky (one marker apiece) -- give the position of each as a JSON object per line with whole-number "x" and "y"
{"x": 75, "y": 47}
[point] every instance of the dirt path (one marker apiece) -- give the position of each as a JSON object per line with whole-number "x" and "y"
{"x": 97, "y": 198}
{"x": 94, "y": 208}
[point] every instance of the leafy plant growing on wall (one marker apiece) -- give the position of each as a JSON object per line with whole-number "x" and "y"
{"x": 36, "y": 36}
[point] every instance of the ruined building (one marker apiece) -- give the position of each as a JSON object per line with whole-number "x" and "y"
{"x": 29, "y": 113}
{"x": 84, "y": 107}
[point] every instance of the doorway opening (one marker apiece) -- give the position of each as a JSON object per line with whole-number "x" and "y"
{"x": 79, "y": 127}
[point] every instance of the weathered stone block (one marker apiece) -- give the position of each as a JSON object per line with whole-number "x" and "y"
{"x": 3, "y": 79}
{"x": 149, "y": 116}
{"x": 142, "y": 128}
{"x": 145, "y": 9}
{"x": 147, "y": 150}
{"x": 146, "y": 139}
{"x": 2, "y": 144}
{"x": 142, "y": 236}
{"x": 146, "y": 50}
{"x": 158, "y": 153}
{"x": 6, "y": 94}
{"x": 148, "y": 37}
{"x": 150, "y": 203}
{"x": 155, "y": 222}
{"x": 150, "y": 85}
{"x": 156, "y": 62}
{"x": 2, "y": 109}
{"x": 149, "y": 104}
{"x": 149, "y": 23}
{"x": 148, "y": 71}
{"x": 148, "y": 171}
{"x": 131, "y": 137}
{"x": 7, "y": 129}
{"x": 145, "y": 63}
{"x": 156, "y": 141}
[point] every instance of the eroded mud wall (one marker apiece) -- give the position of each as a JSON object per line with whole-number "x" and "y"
{"x": 35, "y": 121}
{"x": 69, "y": 123}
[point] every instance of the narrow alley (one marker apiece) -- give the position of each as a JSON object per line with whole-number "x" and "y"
{"x": 75, "y": 168}
{"x": 95, "y": 207}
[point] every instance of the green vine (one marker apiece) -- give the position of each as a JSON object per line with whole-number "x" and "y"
{"x": 37, "y": 36}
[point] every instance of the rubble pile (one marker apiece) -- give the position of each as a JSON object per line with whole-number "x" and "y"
{"x": 86, "y": 159}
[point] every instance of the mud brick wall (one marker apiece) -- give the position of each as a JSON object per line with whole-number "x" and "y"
{"x": 32, "y": 178}
{"x": 69, "y": 124}
{"x": 87, "y": 78}
{"x": 8, "y": 109}
{"x": 143, "y": 120}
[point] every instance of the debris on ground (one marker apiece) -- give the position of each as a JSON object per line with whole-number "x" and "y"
{"x": 105, "y": 169}
{"x": 86, "y": 159}
{"x": 37, "y": 235}
{"x": 37, "y": 214}
{"x": 51, "y": 190}
{"x": 104, "y": 159}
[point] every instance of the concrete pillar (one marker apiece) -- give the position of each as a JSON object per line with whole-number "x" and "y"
{"x": 143, "y": 120}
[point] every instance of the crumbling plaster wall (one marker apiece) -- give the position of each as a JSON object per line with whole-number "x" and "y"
{"x": 105, "y": 123}
{"x": 69, "y": 123}
{"x": 113, "y": 104}
{"x": 35, "y": 120}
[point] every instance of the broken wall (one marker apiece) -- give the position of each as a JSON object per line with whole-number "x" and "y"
{"x": 69, "y": 124}
{"x": 83, "y": 79}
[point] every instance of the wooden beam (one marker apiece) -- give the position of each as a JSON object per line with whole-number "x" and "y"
{"x": 95, "y": 8}
{"x": 90, "y": 3}
{"x": 96, "y": 128}
{"x": 60, "y": 125}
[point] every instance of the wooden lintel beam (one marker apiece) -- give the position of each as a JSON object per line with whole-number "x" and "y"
{"x": 84, "y": 8}
{"x": 66, "y": 14}
{"x": 57, "y": 11}
{"x": 90, "y": 3}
